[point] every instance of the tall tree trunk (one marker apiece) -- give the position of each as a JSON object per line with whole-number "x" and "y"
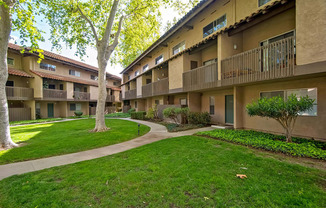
{"x": 102, "y": 93}
{"x": 5, "y": 29}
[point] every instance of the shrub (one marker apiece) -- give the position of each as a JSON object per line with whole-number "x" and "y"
{"x": 300, "y": 147}
{"x": 283, "y": 111}
{"x": 118, "y": 115}
{"x": 131, "y": 110}
{"x": 78, "y": 113}
{"x": 140, "y": 115}
{"x": 199, "y": 118}
{"x": 150, "y": 113}
{"x": 171, "y": 113}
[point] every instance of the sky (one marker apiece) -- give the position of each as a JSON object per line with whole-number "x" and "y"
{"x": 167, "y": 15}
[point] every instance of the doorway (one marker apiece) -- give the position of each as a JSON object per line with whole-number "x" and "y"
{"x": 50, "y": 110}
{"x": 229, "y": 109}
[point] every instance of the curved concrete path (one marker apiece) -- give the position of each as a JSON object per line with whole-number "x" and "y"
{"x": 157, "y": 133}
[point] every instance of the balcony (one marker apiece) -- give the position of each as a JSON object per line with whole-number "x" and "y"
{"x": 19, "y": 93}
{"x": 54, "y": 94}
{"x": 131, "y": 94}
{"x": 273, "y": 61}
{"x": 147, "y": 90}
{"x": 110, "y": 98}
{"x": 81, "y": 96}
{"x": 201, "y": 78}
{"x": 161, "y": 87}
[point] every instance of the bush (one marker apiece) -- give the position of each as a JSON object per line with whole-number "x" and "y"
{"x": 131, "y": 110}
{"x": 117, "y": 115}
{"x": 173, "y": 113}
{"x": 78, "y": 113}
{"x": 300, "y": 147}
{"x": 199, "y": 118}
{"x": 140, "y": 115}
{"x": 150, "y": 113}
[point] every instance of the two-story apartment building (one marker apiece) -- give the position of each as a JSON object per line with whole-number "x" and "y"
{"x": 225, "y": 54}
{"x": 56, "y": 87}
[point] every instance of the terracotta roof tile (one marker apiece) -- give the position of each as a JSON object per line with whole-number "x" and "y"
{"x": 20, "y": 73}
{"x": 65, "y": 59}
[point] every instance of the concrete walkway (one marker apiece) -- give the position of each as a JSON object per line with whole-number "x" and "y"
{"x": 157, "y": 133}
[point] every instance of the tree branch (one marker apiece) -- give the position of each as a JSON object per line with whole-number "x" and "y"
{"x": 89, "y": 22}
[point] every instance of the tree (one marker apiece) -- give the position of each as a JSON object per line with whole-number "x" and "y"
{"x": 16, "y": 15}
{"x": 283, "y": 111}
{"x": 100, "y": 24}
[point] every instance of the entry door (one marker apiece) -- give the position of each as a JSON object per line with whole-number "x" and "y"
{"x": 50, "y": 110}
{"x": 229, "y": 111}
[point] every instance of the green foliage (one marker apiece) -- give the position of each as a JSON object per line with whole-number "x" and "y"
{"x": 172, "y": 127}
{"x": 174, "y": 113}
{"x": 131, "y": 110}
{"x": 78, "y": 113}
{"x": 199, "y": 118}
{"x": 117, "y": 115}
{"x": 150, "y": 113}
{"x": 300, "y": 147}
{"x": 34, "y": 121}
{"x": 277, "y": 107}
{"x": 140, "y": 115}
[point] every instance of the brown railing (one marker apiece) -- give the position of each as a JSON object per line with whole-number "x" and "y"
{"x": 147, "y": 90}
{"x": 110, "y": 98}
{"x": 54, "y": 94}
{"x": 19, "y": 93}
{"x": 275, "y": 60}
{"x": 131, "y": 94}
{"x": 161, "y": 87}
{"x": 83, "y": 96}
{"x": 201, "y": 78}
{"x": 19, "y": 114}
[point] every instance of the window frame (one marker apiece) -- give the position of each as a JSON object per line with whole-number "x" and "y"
{"x": 211, "y": 106}
{"x": 179, "y": 47}
{"x": 137, "y": 73}
{"x": 159, "y": 59}
{"x": 48, "y": 67}
{"x": 260, "y": 5}
{"x": 95, "y": 77}
{"x": 145, "y": 67}
{"x": 73, "y": 72}
{"x": 213, "y": 26}
{"x": 13, "y": 61}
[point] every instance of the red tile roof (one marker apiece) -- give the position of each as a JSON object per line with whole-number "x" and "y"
{"x": 17, "y": 72}
{"x": 48, "y": 54}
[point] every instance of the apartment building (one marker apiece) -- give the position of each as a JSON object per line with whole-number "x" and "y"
{"x": 225, "y": 54}
{"x": 56, "y": 87}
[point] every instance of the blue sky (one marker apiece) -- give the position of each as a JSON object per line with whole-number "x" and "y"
{"x": 167, "y": 15}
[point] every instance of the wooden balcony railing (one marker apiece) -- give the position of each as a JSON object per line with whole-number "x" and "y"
{"x": 147, "y": 90}
{"x": 275, "y": 60}
{"x": 131, "y": 94}
{"x": 82, "y": 96}
{"x": 110, "y": 98}
{"x": 19, "y": 93}
{"x": 161, "y": 87}
{"x": 201, "y": 78}
{"x": 54, "y": 94}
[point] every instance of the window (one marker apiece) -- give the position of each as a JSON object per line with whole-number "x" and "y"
{"x": 48, "y": 67}
{"x": 136, "y": 73}
{"x": 10, "y": 83}
{"x": 74, "y": 73}
{"x": 262, "y": 2}
{"x": 183, "y": 101}
{"x": 148, "y": 81}
{"x": 116, "y": 83}
{"x": 75, "y": 107}
{"x": 211, "y": 105}
{"x": 10, "y": 61}
{"x": 136, "y": 106}
{"x": 145, "y": 68}
{"x": 311, "y": 92}
{"x": 159, "y": 59}
{"x": 178, "y": 48}
{"x": 209, "y": 62}
{"x": 129, "y": 77}
{"x": 157, "y": 102}
{"x": 51, "y": 86}
{"x": 214, "y": 26}
{"x": 61, "y": 86}
{"x": 93, "y": 77}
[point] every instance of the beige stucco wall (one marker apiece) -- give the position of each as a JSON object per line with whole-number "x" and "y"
{"x": 44, "y": 109}
{"x": 139, "y": 84}
{"x": 175, "y": 72}
{"x": 94, "y": 92}
{"x": 219, "y": 116}
{"x": 194, "y": 101}
{"x": 311, "y": 30}
{"x": 244, "y": 8}
{"x": 309, "y": 126}
{"x": 84, "y": 108}
{"x": 19, "y": 81}
{"x": 37, "y": 84}
{"x": 17, "y": 60}
{"x": 70, "y": 90}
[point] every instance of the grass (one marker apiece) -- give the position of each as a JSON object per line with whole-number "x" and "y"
{"x": 46, "y": 140}
{"x": 34, "y": 121}
{"x": 118, "y": 115}
{"x": 187, "y": 171}
{"x": 299, "y": 147}
{"x": 172, "y": 127}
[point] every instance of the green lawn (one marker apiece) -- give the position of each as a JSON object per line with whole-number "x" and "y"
{"x": 35, "y": 121}
{"x": 187, "y": 171}
{"x": 44, "y": 140}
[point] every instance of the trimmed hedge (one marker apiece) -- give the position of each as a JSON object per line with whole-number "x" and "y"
{"x": 300, "y": 147}
{"x": 140, "y": 115}
{"x": 199, "y": 118}
{"x": 78, "y": 113}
